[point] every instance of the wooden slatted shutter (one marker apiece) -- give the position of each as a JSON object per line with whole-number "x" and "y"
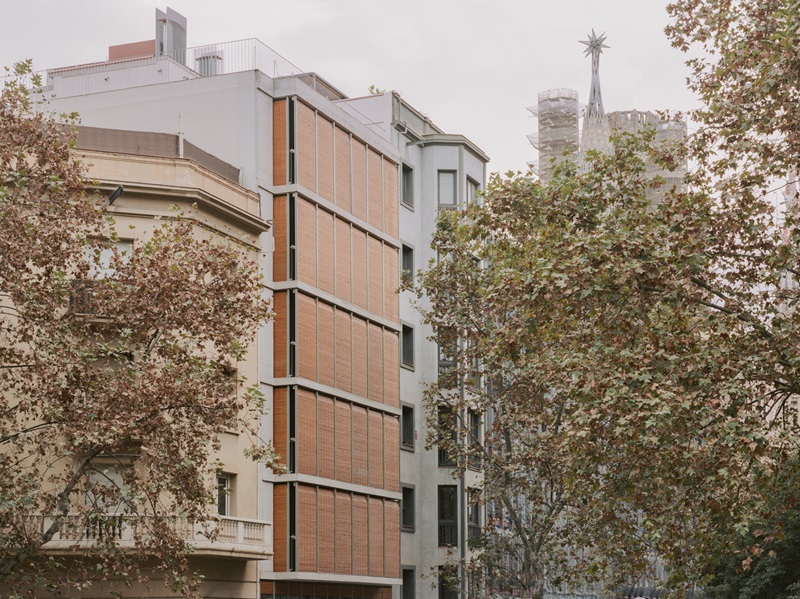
{"x": 306, "y": 147}
{"x": 344, "y": 533}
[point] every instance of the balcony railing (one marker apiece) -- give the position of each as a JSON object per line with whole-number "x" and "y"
{"x": 445, "y": 459}
{"x": 234, "y": 537}
{"x": 448, "y": 534}
{"x": 473, "y": 532}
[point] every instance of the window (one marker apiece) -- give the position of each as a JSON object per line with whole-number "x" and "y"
{"x": 224, "y": 495}
{"x": 447, "y": 429}
{"x": 447, "y": 188}
{"x": 448, "y": 582}
{"x": 102, "y": 262}
{"x": 447, "y": 358}
{"x": 474, "y": 428}
{"x": 108, "y": 492}
{"x": 407, "y": 428}
{"x": 409, "y": 582}
{"x": 407, "y": 342}
{"x": 408, "y": 265}
{"x": 407, "y": 509}
{"x": 472, "y": 191}
{"x": 474, "y": 521}
{"x": 448, "y": 515}
{"x": 408, "y": 186}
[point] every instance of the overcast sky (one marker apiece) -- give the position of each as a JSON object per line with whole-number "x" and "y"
{"x": 472, "y": 66}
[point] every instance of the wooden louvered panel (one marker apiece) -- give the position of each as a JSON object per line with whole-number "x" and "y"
{"x": 391, "y": 452}
{"x": 280, "y": 527}
{"x": 306, "y": 147}
{"x": 307, "y": 336}
{"x": 361, "y": 550}
{"x": 279, "y": 147}
{"x": 280, "y": 341}
{"x": 326, "y": 253}
{"x": 280, "y": 256}
{"x": 375, "y": 450}
{"x": 392, "y": 536}
{"x": 391, "y": 282}
{"x": 307, "y": 241}
{"x": 359, "y": 153}
{"x": 306, "y": 432}
{"x": 391, "y": 198}
{"x": 344, "y": 351}
{"x": 375, "y": 274}
{"x": 343, "y": 169}
{"x": 376, "y": 540}
{"x": 359, "y": 356}
{"x": 326, "y": 437}
{"x": 325, "y": 158}
{"x": 307, "y": 528}
{"x": 280, "y": 423}
{"x": 325, "y": 344}
{"x": 375, "y": 349}
{"x": 343, "y": 260}
{"x": 359, "y": 241}
{"x": 391, "y": 368}
{"x": 375, "y": 190}
{"x": 360, "y": 446}
{"x": 325, "y": 503}
{"x": 344, "y": 533}
{"x": 344, "y": 442}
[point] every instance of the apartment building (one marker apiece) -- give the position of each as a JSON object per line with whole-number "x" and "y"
{"x": 147, "y": 179}
{"x": 352, "y": 188}
{"x": 440, "y": 171}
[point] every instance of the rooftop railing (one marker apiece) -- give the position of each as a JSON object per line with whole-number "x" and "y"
{"x": 192, "y": 63}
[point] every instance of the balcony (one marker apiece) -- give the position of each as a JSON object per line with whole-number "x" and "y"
{"x": 236, "y": 537}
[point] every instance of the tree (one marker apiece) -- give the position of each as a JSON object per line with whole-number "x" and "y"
{"x": 640, "y": 360}
{"x": 142, "y": 380}
{"x": 763, "y": 565}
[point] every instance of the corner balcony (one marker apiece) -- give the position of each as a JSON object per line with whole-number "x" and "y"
{"x": 235, "y": 537}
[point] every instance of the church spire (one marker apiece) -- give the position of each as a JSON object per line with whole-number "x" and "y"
{"x": 595, "y": 124}
{"x": 594, "y": 46}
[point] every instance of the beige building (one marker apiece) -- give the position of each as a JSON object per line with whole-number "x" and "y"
{"x": 157, "y": 175}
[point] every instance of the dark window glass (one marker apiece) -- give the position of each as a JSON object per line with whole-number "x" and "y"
{"x": 408, "y": 185}
{"x": 448, "y": 515}
{"x": 408, "y": 265}
{"x": 407, "y": 509}
{"x": 407, "y": 433}
{"x": 408, "y": 346}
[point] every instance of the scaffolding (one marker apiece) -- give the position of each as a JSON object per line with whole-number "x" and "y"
{"x": 558, "y": 114}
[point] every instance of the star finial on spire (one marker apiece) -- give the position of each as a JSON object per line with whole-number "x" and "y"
{"x": 594, "y": 44}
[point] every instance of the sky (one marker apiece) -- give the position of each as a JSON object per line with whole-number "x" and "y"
{"x": 471, "y": 66}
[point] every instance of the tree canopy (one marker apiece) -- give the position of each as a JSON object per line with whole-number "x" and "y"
{"x": 143, "y": 380}
{"x": 639, "y": 359}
